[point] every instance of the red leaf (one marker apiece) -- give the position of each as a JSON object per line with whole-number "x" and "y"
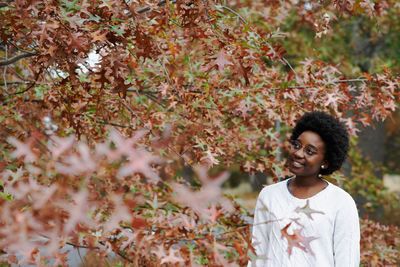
{"x": 221, "y": 61}
{"x": 297, "y": 240}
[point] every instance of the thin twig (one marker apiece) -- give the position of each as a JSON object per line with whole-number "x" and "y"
{"x": 269, "y": 46}
{"x": 237, "y": 14}
{"x": 80, "y": 246}
{"x": 5, "y": 72}
{"x": 141, "y": 91}
{"x": 151, "y": 97}
{"x": 35, "y": 100}
{"x": 16, "y": 82}
{"x": 169, "y": 80}
{"x": 176, "y": 23}
{"x": 16, "y": 58}
{"x": 122, "y": 101}
{"x": 307, "y": 87}
{"x": 113, "y": 124}
{"x": 166, "y": 73}
{"x": 23, "y": 91}
{"x": 147, "y": 8}
{"x": 20, "y": 49}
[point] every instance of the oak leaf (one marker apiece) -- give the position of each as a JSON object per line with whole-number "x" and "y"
{"x": 221, "y": 61}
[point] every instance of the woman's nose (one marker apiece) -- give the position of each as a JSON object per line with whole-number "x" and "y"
{"x": 299, "y": 153}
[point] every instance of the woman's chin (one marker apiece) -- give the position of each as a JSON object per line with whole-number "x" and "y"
{"x": 295, "y": 169}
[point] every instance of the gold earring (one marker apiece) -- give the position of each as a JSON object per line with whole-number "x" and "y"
{"x": 322, "y": 166}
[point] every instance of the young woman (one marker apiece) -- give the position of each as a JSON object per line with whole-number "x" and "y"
{"x": 305, "y": 220}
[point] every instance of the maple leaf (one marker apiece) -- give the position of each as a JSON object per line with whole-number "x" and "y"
{"x": 139, "y": 162}
{"x": 332, "y": 99}
{"x": 23, "y": 188}
{"x": 305, "y": 241}
{"x": 307, "y": 210}
{"x": 221, "y": 61}
{"x": 248, "y": 167}
{"x": 75, "y": 165}
{"x": 351, "y": 126}
{"x": 22, "y": 149}
{"x": 243, "y": 109}
{"x": 210, "y": 159}
{"x": 296, "y": 220}
{"x": 120, "y": 213}
{"x": 131, "y": 237}
{"x": 44, "y": 196}
{"x": 14, "y": 175}
{"x": 61, "y": 145}
{"x": 219, "y": 257}
{"x": 155, "y": 205}
{"x": 214, "y": 214}
{"x": 98, "y": 36}
{"x": 297, "y": 240}
{"x": 160, "y": 252}
{"x": 214, "y": 181}
{"x": 173, "y": 257}
{"x": 124, "y": 146}
{"x": 190, "y": 224}
{"x": 78, "y": 212}
{"x": 307, "y": 63}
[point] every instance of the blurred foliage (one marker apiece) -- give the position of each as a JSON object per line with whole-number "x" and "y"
{"x": 392, "y": 144}
{"x": 379, "y": 244}
{"x": 359, "y": 44}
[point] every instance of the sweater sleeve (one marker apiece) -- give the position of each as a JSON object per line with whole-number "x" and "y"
{"x": 259, "y": 233}
{"x": 346, "y": 236}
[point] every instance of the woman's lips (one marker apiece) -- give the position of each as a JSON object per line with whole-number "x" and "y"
{"x": 297, "y": 164}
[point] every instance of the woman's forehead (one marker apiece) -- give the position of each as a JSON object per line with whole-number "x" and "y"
{"x": 311, "y": 138}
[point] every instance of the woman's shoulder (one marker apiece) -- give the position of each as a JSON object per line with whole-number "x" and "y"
{"x": 273, "y": 188}
{"x": 340, "y": 194}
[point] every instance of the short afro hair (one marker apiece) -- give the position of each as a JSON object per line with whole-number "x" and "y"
{"x": 331, "y": 131}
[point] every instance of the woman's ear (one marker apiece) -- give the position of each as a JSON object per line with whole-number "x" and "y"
{"x": 324, "y": 164}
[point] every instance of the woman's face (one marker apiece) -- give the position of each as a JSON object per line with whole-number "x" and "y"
{"x": 306, "y": 155}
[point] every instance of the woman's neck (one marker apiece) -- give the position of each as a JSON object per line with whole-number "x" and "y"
{"x": 306, "y": 181}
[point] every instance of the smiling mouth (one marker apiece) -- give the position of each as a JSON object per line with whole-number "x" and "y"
{"x": 297, "y": 164}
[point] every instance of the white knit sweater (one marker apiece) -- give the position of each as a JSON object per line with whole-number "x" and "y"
{"x": 323, "y": 230}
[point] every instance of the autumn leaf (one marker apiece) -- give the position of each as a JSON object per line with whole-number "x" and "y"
{"x": 61, "y": 145}
{"x": 22, "y": 150}
{"x": 214, "y": 214}
{"x": 139, "y": 161}
{"x": 78, "y": 212}
{"x": 297, "y": 240}
{"x": 173, "y": 257}
{"x": 307, "y": 210}
{"x": 221, "y": 61}
{"x": 100, "y": 182}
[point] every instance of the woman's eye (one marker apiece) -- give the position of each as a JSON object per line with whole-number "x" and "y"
{"x": 296, "y": 145}
{"x": 309, "y": 151}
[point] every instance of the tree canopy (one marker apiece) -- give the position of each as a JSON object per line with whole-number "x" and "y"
{"x": 102, "y": 102}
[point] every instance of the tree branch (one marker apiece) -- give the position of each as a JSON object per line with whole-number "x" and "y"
{"x": 113, "y": 124}
{"x": 23, "y": 100}
{"x": 270, "y": 47}
{"x": 16, "y": 58}
{"x": 80, "y": 246}
{"x": 306, "y": 86}
{"x": 23, "y": 91}
{"x": 147, "y": 8}
{"x": 237, "y": 14}
{"x": 16, "y": 82}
